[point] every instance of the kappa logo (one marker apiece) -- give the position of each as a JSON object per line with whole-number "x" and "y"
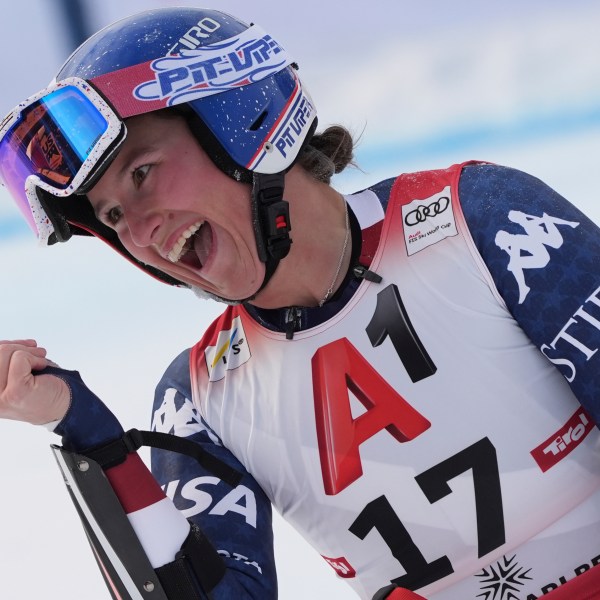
{"x": 230, "y": 352}
{"x": 178, "y": 416}
{"x": 528, "y": 250}
{"x": 207, "y": 70}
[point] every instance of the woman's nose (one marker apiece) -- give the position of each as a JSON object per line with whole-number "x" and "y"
{"x": 144, "y": 227}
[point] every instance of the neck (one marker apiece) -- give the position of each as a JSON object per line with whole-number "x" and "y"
{"x": 339, "y": 274}
{"x": 321, "y": 249}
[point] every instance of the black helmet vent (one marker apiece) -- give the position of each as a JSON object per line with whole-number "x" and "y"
{"x": 259, "y": 121}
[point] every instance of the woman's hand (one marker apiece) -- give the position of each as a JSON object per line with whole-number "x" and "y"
{"x": 25, "y": 396}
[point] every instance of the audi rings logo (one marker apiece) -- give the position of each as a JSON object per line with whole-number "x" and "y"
{"x": 427, "y": 221}
{"x": 421, "y": 213}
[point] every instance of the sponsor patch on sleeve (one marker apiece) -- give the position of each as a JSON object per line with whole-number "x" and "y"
{"x": 428, "y": 221}
{"x": 230, "y": 351}
{"x": 564, "y": 441}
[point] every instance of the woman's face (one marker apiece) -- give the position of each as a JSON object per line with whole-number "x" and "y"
{"x": 172, "y": 208}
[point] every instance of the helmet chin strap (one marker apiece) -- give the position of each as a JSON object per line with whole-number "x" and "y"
{"x": 271, "y": 224}
{"x": 270, "y": 220}
{"x": 270, "y": 217}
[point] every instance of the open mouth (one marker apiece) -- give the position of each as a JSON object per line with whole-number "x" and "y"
{"x": 193, "y": 246}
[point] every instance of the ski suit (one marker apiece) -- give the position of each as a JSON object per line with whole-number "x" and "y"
{"x": 433, "y": 425}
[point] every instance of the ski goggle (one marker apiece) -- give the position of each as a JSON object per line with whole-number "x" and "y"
{"x": 58, "y": 141}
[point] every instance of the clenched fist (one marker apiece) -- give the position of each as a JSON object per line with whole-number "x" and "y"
{"x": 24, "y": 394}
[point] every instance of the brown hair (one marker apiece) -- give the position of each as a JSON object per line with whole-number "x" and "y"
{"x": 328, "y": 153}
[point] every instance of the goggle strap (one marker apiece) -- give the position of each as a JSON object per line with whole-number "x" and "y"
{"x": 62, "y": 232}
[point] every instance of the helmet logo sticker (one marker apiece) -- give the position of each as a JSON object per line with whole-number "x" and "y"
{"x": 192, "y": 38}
{"x": 192, "y": 74}
{"x": 287, "y": 135}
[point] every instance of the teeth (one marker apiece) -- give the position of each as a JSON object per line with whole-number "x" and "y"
{"x": 176, "y": 251}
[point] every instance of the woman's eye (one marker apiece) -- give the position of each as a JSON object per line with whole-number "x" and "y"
{"x": 139, "y": 174}
{"x": 113, "y": 215}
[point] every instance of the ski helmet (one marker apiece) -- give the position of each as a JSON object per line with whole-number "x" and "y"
{"x": 237, "y": 87}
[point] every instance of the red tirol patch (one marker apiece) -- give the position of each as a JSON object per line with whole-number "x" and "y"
{"x": 341, "y": 566}
{"x": 564, "y": 441}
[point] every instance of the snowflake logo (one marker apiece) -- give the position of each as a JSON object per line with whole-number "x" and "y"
{"x": 502, "y": 580}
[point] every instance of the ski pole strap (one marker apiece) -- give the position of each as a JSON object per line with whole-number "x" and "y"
{"x": 115, "y": 452}
{"x": 196, "y": 563}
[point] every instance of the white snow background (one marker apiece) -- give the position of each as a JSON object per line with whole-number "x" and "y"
{"x": 425, "y": 83}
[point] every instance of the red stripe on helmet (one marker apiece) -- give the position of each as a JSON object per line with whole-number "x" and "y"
{"x": 118, "y": 87}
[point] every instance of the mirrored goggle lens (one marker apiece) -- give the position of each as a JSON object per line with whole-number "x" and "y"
{"x": 51, "y": 139}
